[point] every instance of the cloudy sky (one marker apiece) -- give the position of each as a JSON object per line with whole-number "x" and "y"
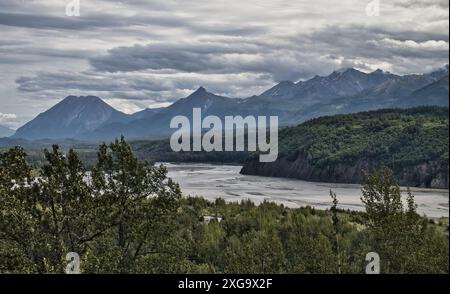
{"x": 148, "y": 53}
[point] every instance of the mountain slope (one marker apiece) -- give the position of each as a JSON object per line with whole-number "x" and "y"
{"x": 146, "y": 113}
{"x": 345, "y": 82}
{"x": 69, "y": 118}
{"x": 5, "y": 132}
{"x": 403, "y": 86}
{"x": 392, "y": 93}
{"x": 158, "y": 124}
{"x": 294, "y": 103}
{"x": 434, "y": 94}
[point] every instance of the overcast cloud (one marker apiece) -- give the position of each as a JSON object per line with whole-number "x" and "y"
{"x": 138, "y": 53}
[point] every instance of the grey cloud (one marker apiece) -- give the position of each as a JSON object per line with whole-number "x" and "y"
{"x": 39, "y": 52}
{"x": 212, "y": 58}
{"x": 423, "y": 3}
{"x": 8, "y": 43}
{"x": 292, "y": 58}
{"x": 404, "y": 35}
{"x": 179, "y": 56}
{"x": 88, "y": 82}
{"x": 142, "y": 87}
{"x": 234, "y": 48}
{"x": 378, "y": 45}
{"x": 84, "y": 22}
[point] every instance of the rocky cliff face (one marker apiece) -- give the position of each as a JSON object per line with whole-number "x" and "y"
{"x": 425, "y": 175}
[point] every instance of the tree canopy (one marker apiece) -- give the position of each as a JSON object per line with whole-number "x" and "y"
{"x": 126, "y": 216}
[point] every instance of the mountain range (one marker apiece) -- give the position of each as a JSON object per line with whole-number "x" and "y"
{"x": 5, "y": 132}
{"x": 343, "y": 91}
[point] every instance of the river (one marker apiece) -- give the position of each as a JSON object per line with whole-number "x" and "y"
{"x": 224, "y": 181}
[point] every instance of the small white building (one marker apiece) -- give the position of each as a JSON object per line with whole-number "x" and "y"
{"x": 209, "y": 218}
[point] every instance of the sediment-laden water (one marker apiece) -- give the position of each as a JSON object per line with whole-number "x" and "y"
{"x": 224, "y": 181}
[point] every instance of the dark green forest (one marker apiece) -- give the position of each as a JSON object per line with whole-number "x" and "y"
{"x": 413, "y": 143}
{"x": 126, "y": 216}
{"x": 397, "y": 137}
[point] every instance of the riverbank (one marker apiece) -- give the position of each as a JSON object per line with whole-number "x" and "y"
{"x": 224, "y": 181}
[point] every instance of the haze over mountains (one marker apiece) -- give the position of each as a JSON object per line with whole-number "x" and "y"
{"x": 343, "y": 91}
{"x": 5, "y": 132}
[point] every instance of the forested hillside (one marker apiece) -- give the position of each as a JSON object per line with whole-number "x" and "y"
{"x": 412, "y": 142}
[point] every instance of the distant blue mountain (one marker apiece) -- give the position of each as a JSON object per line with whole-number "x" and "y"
{"x": 146, "y": 113}
{"x": 5, "y": 132}
{"x": 433, "y": 94}
{"x": 156, "y": 123}
{"x": 71, "y": 118}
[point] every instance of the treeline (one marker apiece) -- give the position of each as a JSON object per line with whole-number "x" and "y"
{"x": 399, "y": 138}
{"x": 150, "y": 150}
{"x": 126, "y": 216}
{"x": 161, "y": 151}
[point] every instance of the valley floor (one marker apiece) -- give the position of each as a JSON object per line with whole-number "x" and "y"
{"x": 224, "y": 181}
